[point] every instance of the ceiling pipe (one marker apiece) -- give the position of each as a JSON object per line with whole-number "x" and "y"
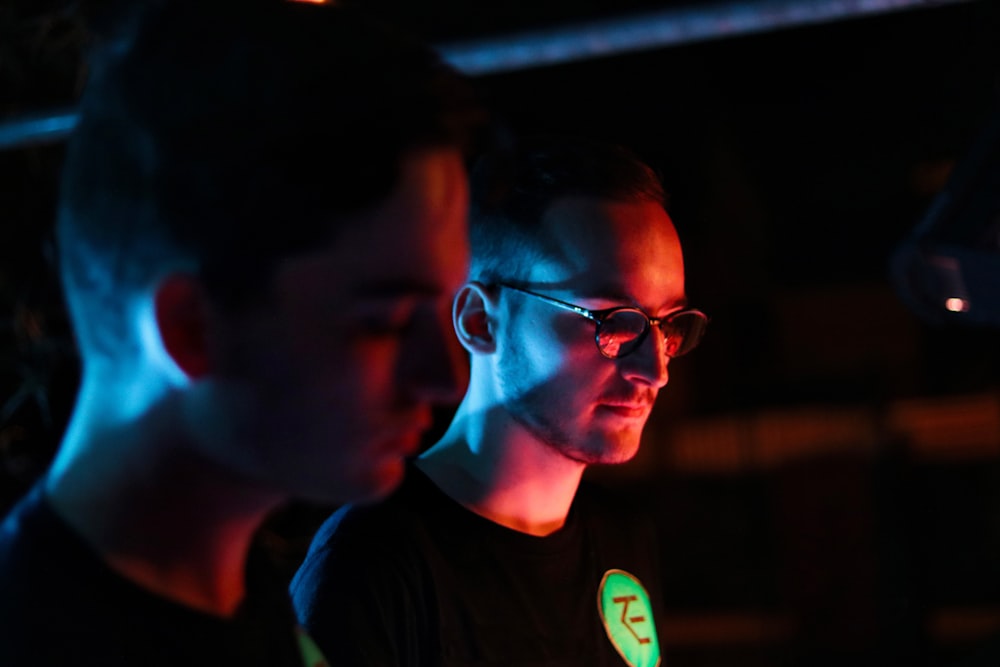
{"x": 40, "y": 128}
{"x": 579, "y": 41}
{"x": 659, "y": 29}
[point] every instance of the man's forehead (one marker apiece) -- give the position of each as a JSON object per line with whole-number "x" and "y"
{"x": 621, "y": 252}
{"x": 553, "y": 276}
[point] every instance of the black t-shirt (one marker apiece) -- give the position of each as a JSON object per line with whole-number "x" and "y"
{"x": 419, "y": 580}
{"x": 60, "y": 605}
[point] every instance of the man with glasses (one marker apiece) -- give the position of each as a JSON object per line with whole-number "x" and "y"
{"x": 494, "y": 551}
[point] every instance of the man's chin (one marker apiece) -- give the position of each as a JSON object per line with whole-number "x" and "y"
{"x": 608, "y": 452}
{"x": 381, "y": 482}
{"x": 617, "y": 451}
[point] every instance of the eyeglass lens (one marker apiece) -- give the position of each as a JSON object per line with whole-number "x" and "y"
{"x": 622, "y": 331}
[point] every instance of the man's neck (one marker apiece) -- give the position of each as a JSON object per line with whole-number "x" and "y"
{"x": 158, "y": 515}
{"x": 505, "y": 475}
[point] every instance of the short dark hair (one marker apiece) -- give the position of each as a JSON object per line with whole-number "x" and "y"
{"x": 227, "y": 134}
{"x": 514, "y": 185}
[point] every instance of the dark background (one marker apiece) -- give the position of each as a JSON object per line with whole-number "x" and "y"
{"x": 826, "y": 467}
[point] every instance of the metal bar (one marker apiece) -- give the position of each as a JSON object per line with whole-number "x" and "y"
{"x": 581, "y": 41}
{"x": 659, "y": 29}
{"x": 39, "y": 128}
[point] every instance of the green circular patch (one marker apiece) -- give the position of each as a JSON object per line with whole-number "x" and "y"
{"x": 627, "y": 616}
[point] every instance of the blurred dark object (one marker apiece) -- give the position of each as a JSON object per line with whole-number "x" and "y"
{"x": 948, "y": 269}
{"x": 41, "y": 66}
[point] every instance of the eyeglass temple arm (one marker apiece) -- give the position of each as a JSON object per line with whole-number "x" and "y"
{"x": 556, "y": 302}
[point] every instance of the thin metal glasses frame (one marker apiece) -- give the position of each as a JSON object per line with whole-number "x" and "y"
{"x": 599, "y": 316}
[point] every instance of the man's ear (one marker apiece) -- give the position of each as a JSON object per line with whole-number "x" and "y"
{"x": 182, "y": 319}
{"x": 472, "y": 318}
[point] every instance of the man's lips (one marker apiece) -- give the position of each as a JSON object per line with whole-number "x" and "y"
{"x": 630, "y": 410}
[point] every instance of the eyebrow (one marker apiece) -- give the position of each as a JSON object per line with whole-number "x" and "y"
{"x": 674, "y": 307}
{"x": 615, "y": 293}
{"x": 608, "y": 291}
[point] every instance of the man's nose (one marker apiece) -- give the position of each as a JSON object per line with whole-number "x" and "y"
{"x": 647, "y": 364}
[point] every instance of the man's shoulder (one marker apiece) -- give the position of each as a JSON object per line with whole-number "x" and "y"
{"x": 32, "y": 535}
{"x": 364, "y": 547}
{"x": 387, "y": 523}
{"x": 53, "y": 585}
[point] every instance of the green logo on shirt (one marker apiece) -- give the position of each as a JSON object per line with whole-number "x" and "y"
{"x": 311, "y": 655}
{"x": 627, "y": 616}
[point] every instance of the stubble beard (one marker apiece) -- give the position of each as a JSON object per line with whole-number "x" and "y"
{"x": 532, "y": 411}
{"x": 532, "y": 407}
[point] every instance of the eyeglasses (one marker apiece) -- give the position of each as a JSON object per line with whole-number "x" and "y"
{"x": 621, "y": 330}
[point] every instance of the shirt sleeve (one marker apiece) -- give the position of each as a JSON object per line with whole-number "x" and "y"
{"x": 357, "y": 594}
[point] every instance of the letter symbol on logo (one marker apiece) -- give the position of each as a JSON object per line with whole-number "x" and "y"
{"x": 627, "y": 622}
